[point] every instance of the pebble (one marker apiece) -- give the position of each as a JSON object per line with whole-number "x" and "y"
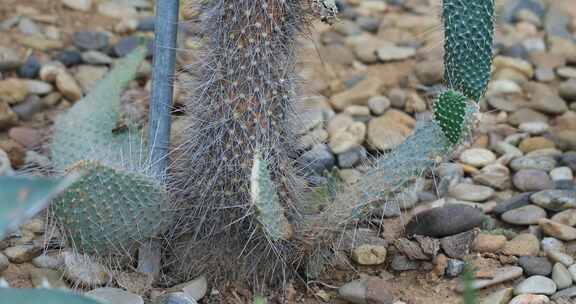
{"x": 47, "y": 278}
{"x": 561, "y": 173}
{"x": 471, "y": 192}
{"x": 174, "y": 298}
{"x": 4, "y": 262}
{"x": 114, "y": 295}
{"x": 30, "y": 68}
{"x": 530, "y": 299}
{"x": 561, "y": 276}
{"x": 96, "y": 58}
{"x": 83, "y": 272}
{"x": 357, "y": 95}
{"x": 51, "y": 70}
{"x": 369, "y": 255}
{"x": 516, "y": 201}
{"x": 560, "y": 257}
{"x": 90, "y": 40}
{"x": 126, "y": 45}
{"x": 68, "y": 86}
{"x": 454, "y": 267}
{"x": 378, "y": 104}
{"x": 477, "y": 157}
{"x": 394, "y": 53}
{"x": 69, "y": 58}
{"x": 195, "y": 289}
{"x": 458, "y": 246}
{"x": 555, "y": 200}
{"x": 28, "y": 108}
{"x": 495, "y": 176}
{"x": 13, "y": 91}
{"x": 319, "y": 158}
{"x": 9, "y": 59}
{"x": 54, "y": 262}
{"x": 347, "y": 138}
{"x": 522, "y": 245}
{"x": 536, "y": 284}
{"x": 550, "y": 244}
{"x": 526, "y": 215}
{"x": 535, "y": 265}
{"x": 445, "y": 221}
{"x": 535, "y": 143}
{"x": 566, "y": 217}
{"x": 5, "y": 165}
{"x": 557, "y": 230}
{"x": 502, "y": 296}
{"x": 22, "y": 253}
{"x": 88, "y": 75}
{"x": 371, "y": 290}
{"x": 117, "y": 10}
{"x": 389, "y": 130}
{"x": 532, "y": 180}
{"x": 502, "y": 274}
{"x": 567, "y": 89}
{"x": 79, "y": 5}
{"x": 489, "y": 243}
{"x": 38, "y": 87}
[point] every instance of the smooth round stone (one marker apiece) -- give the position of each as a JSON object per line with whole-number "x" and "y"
{"x": 527, "y": 215}
{"x": 69, "y": 58}
{"x": 550, "y": 244}
{"x": 566, "y": 217}
{"x": 561, "y": 173}
{"x": 30, "y": 68}
{"x": 560, "y": 257}
{"x": 536, "y": 285}
{"x": 557, "y": 230}
{"x": 561, "y": 276}
{"x": 521, "y": 245}
{"x": 555, "y": 200}
{"x": 541, "y": 163}
{"x": 88, "y": 40}
{"x": 534, "y": 127}
{"x": 477, "y": 157}
{"x": 445, "y": 221}
{"x": 471, "y": 192}
{"x": 114, "y": 295}
{"x": 532, "y": 180}
{"x": 529, "y": 299}
{"x": 534, "y": 265}
{"x": 174, "y": 298}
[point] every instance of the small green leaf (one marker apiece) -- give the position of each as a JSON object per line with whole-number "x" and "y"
{"x": 23, "y": 197}
{"x": 260, "y": 300}
{"x": 43, "y": 296}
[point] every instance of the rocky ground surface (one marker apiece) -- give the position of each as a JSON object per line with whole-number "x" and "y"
{"x": 511, "y": 193}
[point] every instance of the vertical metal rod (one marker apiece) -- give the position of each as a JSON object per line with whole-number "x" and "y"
{"x": 166, "y": 31}
{"x": 159, "y": 119}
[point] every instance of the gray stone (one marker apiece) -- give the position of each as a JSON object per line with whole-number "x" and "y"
{"x": 536, "y": 285}
{"x": 502, "y": 274}
{"x": 533, "y": 163}
{"x": 526, "y": 215}
{"x": 89, "y": 40}
{"x": 174, "y": 298}
{"x": 48, "y": 261}
{"x": 555, "y": 200}
{"x": 532, "y": 180}
{"x": 445, "y": 221}
{"x": 4, "y": 262}
{"x": 454, "y": 268}
{"x": 47, "y": 278}
{"x": 22, "y": 253}
{"x": 561, "y": 276}
{"x": 471, "y": 192}
{"x": 319, "y": 159}
{"x": 534, "y": 265}
{"x": 517, "y": 201}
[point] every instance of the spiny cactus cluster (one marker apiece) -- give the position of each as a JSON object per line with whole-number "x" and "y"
{"x": 115, "y": 204}
{"x": 235, "y": 175}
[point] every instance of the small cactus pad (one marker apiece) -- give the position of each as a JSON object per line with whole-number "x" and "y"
{"x": 469, "y": 35}
{"x": 86, "y": 130}
{"x": 108, "y": 210}
{"x": 269, "y": 211}
{"x": 450, "y": 113}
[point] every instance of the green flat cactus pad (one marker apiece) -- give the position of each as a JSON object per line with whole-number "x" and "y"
{"x": 109, "y": 211}
{"x": 450, "y": 114}
{"x": 469, "y": 36}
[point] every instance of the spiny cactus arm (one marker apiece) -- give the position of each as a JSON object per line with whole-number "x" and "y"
{"x": 468, "y": 45}
{"x": 109, "y": 211}
{"x": 86, "y": 130}
{"x": 23, "y": 197}
{"x": 266, "y": 203}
